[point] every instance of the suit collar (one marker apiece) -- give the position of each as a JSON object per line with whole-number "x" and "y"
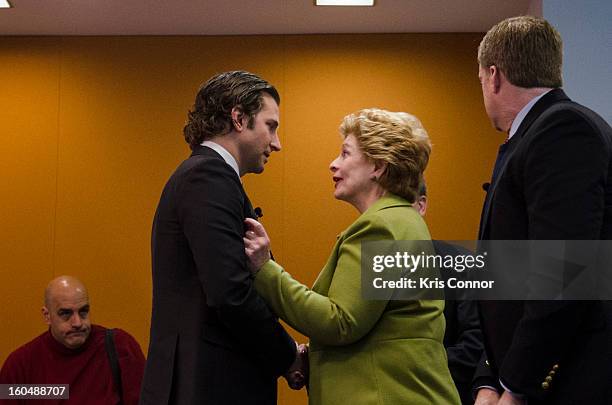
{"x": 552, "y": 97}
{"x": 205, "y": 151}
{"x": 511, "y": 147}
{"x": 200, "y": 150}
{"x": 225, "y": 154}
{"x": 538, "y": 108}
{"x": 387, "y": 201}
{"x": 523, "y": 113}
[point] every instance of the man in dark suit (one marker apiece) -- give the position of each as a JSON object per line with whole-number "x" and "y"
{"x": 552, "y": 181}
{"x": 462, "y": 336}
{"x": 213, "y": 338}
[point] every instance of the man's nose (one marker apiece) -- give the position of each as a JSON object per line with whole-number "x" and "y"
{"x": 275, "y": 144}
{"x": 76, "y": 321}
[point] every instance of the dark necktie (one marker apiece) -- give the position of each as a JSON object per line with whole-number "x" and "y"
{"x": 502, "y": 154}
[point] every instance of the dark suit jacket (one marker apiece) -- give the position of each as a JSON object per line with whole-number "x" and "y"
{"x": 556, "y": 184}
{"x": 462, "y": 337}
{"x": 213, "y": 338}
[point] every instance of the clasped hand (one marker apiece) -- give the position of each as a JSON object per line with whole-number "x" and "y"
{"x": 256, "y": 244}
{"x": 297, "y": 375}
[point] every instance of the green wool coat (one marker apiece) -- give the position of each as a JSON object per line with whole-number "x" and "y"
{"x": 365, "y": 352}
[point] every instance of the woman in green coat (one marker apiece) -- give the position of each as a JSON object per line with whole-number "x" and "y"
{"x": 365, "y": 352}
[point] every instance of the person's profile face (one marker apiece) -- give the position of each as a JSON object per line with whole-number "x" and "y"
{"x": 67, "y": 315}
{"x": 352, "y": 172}
{"x": 259, "y": 141}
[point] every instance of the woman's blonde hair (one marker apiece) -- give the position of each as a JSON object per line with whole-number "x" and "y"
{"x": 395, "y": 138}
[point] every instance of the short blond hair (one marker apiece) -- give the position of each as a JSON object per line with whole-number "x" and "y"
{"x": 395, "y": 138}
{"x": 528, "y": 50}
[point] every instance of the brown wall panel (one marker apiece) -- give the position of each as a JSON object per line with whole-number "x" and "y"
{"x": 91, "y": 130}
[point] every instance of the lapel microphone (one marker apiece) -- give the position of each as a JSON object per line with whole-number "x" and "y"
{"x": 258, "y": 214}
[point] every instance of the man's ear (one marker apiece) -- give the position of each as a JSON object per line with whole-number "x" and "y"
{"x": 496, "y": 78}
{"x": 45, "y": 314}
{"x": 237, "y": 118}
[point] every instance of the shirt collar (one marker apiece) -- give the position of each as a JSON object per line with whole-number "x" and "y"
{"x": 229, "y": 159}
{"x": 522, "y": 114}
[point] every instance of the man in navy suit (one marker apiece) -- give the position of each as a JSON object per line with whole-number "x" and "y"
{"x": 213, "y": 338}
{"x": 552, "y": 181}
{"x": 462, "y": 336}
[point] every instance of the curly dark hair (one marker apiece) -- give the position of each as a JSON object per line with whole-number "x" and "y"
{"x": 212, "y": 111}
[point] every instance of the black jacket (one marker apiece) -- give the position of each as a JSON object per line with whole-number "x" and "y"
{"x": 555, "y": 184}
{"x": 213, "y": 338}
{"x": 462, "y": 337}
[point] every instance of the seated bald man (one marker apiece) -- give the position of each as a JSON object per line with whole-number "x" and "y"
{"x": 74, "y": 351}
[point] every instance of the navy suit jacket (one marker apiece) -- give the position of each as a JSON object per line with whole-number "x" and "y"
{"x": 555, "y": 184}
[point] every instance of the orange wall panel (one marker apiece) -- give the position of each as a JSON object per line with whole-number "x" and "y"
{"x": 29, "y": 84}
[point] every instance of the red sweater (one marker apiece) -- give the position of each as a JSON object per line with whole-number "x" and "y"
{"x": 86, "y": 369}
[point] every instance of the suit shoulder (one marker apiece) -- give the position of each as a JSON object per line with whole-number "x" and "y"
{"x": 405, "y": 222}
{"x": 204, "y": 174}
{"x": 570, "y": 127}
{"x": 203, "y": 164}
{"x": 574, "y": 114}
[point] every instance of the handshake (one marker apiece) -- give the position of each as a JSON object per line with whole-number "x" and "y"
{"x": 297, "y": 375}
